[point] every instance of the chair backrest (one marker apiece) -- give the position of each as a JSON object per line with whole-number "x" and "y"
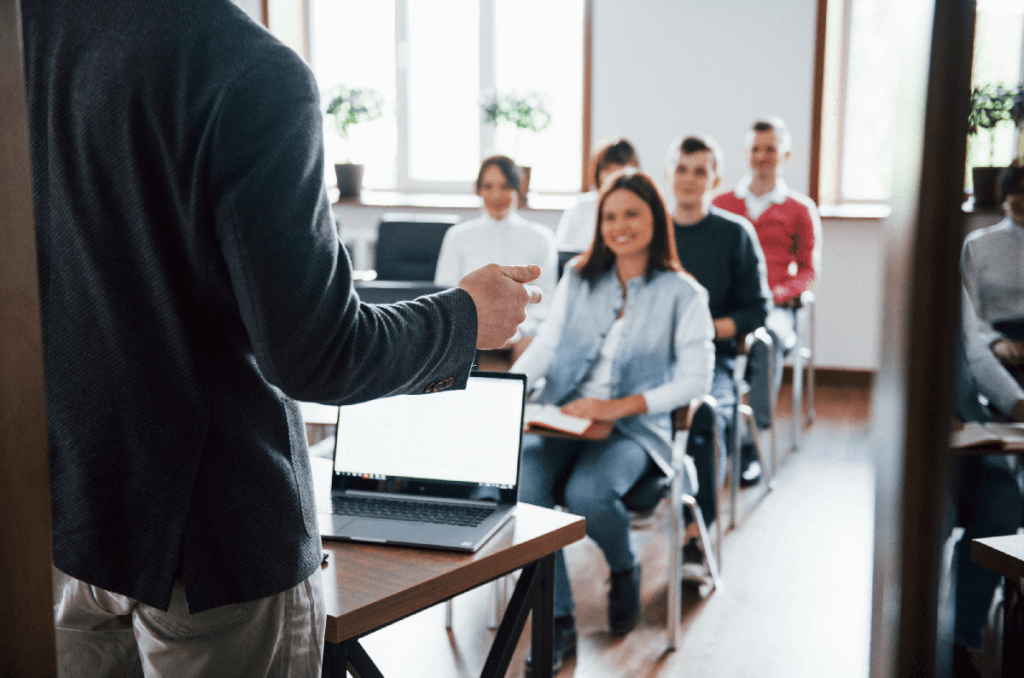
{"x": 392, "y": 291}
{"x": 408, "y": 245}
{"x": 563, "y": 259}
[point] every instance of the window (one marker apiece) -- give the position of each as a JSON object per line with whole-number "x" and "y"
{"x": 432, "y": 62}
{"x": 857, "y": 145}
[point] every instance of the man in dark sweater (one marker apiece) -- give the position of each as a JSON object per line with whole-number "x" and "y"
{"x": 721, "y": 251}
{"x": 191, "y": 285}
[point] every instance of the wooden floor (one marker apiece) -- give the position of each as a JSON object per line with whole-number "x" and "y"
{"x": 796, "y": 593}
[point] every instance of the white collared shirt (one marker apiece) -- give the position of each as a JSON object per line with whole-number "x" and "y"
{"x": 511, "y": 241}
{"x": 575, "y": 231}
{"x": 992, "y": 265}
{"x": 756, "y": 205}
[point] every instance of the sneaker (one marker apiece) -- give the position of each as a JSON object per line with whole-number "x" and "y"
{"x": 751, "y": 474}
{"x": 624, "y": 601}
{"x": 694, "y": 564}
{"x": 563, "y": 645}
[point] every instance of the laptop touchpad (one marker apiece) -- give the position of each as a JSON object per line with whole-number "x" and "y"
{"x": 369, "y": 529}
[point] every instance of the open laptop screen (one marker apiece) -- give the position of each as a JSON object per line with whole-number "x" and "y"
{"x": 414, "y": 443}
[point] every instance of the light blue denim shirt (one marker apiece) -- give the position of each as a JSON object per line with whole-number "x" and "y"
{"x": 666, "y": 351}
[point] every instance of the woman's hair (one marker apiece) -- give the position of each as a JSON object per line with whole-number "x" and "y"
{"x": 662, "y": 255}
{"x": 612, "y": 152}
{"x": 507, "y": 167}
{"x": 1009, "y": 182}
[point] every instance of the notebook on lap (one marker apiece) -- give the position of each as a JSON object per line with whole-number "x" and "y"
{"x": 438, "y": 470}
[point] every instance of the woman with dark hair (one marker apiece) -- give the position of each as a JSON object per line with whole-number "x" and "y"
{"x": 628, "y": 339}
{"x": 575, "y": 231}
{"x": 992, "y": 264}
{"x": 500, "y": 236}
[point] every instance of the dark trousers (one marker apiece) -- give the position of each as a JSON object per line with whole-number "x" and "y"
{"x": 989, "y": 505}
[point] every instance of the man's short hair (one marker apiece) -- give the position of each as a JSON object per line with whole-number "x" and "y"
{"x": 777, "y": 125}
{"x": 694, "y": 143}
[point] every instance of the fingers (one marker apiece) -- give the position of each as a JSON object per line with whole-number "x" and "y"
{"x": 523, "y": 274}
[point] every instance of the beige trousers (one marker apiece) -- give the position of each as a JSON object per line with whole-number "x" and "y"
{"x": 104, "y": 634}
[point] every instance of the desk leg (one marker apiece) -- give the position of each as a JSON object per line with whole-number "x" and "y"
{"x": 338, "y": 656}
{"x": 1013, "y": 653}
{"x": 535, "y": 592}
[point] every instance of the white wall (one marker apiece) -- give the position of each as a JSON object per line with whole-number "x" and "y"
{"x": 668, "y": 67}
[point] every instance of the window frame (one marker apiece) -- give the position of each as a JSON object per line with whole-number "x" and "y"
{"x": 404, "y": 182}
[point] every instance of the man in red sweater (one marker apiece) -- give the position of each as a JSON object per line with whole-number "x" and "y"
{"x": 789, "y": 230}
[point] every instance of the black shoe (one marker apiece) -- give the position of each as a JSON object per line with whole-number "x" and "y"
{"x": 563, "y": 645}
{"x": 751, "y": 474}
{"x": 624, "y": 601}
{"x": 963, "y": 663}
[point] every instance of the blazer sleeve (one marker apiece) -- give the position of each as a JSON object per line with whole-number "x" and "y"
{"x": 310, "y": 335}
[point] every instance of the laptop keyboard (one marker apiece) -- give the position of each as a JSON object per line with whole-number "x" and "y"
{"x": 414, "y": 511}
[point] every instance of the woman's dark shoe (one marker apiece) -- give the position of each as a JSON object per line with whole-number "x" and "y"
{"x": 563, "y": 645}
{"x": 624, "y": 601}
{"x": 751, "y": 473}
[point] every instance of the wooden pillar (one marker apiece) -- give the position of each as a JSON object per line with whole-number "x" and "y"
{"x": 26, "y": 625}
{"x": 912, "y": 407}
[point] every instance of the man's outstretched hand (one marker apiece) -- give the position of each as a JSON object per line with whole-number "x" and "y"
{"x": 501, "y": 295}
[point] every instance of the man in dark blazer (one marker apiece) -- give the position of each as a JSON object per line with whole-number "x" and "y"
{"x": 192, "y": 285}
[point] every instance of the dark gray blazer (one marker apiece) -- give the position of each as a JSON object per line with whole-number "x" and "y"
{"x": 192, "y": 285}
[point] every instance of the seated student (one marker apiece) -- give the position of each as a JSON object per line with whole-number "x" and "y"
{"x": 575, "y": 231}
{"x": 720, "y": 249}
{"x": 789, "y": 230}
{"x": 627, "y": 340}
{"x": 992, "y": 272}
{"x": 986, "y": 491}
{"x": 500, "y": 236}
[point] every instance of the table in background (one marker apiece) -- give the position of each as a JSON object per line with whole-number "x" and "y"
{"x": 368, "y": 587}
{"x": 1005, "y": 556}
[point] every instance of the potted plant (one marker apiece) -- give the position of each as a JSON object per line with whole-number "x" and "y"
{"x": 990, "y": 105}
{"x": 1017, "y": 115}
{"x": 348, "y": 107}
{"x": 526, "y": 112}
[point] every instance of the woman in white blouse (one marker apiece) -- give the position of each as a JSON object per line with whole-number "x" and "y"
{"x": 500, "y": 236}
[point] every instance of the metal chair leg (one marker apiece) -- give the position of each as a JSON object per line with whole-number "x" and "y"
{"x": 705, "y": 540}
{"x": 448, "y": 614}
{"x": 811, "y": 349}
{"x": 798, "y": 389}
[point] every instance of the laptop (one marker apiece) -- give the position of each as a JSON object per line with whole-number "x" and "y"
{"x": 438, "y": 470}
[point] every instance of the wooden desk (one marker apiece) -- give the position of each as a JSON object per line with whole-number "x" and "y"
{"x": 367, "y": 587}
{"x": 1005, "y": 556}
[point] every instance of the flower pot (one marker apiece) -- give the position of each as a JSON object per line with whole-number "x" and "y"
{"x": 986, "y": 179}
{"x": 524, "y": 183}
{"x": 350, "y": 180}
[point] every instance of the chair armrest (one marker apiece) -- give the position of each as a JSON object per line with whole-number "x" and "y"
{"x": 682, "y": 417}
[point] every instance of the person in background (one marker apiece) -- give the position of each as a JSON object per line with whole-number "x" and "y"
{"x": 992, "y": 265}
{"x": 986, "y": 492}
{"x": 721, "y": 251}
{"x": 789, "y": 231}
{"x": 192, "y": 286}
{"x": 575, "y": 231}
{"x": 627, "y": 341}
{"x": 500, "y": 235}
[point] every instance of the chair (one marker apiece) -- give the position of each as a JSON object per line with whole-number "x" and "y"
{"x": 564, "y": 256}
{"x": 742, "y": 413}
{"x": 644, "y": 498}
{"x": 802, "y": 351}
{"x": 408, "y": 245}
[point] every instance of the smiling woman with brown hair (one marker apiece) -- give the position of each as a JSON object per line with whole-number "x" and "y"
{"x": 627, "y": 340}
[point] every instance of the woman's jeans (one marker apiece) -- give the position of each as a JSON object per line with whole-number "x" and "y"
{"x": 589, "y": 479}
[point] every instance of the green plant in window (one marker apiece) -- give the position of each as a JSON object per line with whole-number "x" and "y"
{"x": 991, "y": 105}
{"x": 527, "y": 111}
{"x": 351, "y": 106}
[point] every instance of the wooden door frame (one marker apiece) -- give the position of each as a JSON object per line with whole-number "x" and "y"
{"x": 27, "y": 639}
{"x": 913, "y": 397}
